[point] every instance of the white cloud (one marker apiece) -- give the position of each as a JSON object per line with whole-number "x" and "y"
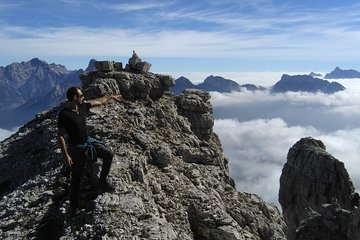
{"x": 6, "y": 133}
{"x": 257, "y": 150}
{"x": 270, "y": 31}
{"x": 201, "y": 31}
{"x": 79, "y": 41}
{"x": 135, "y": 6}
{"x": 322, "y": 111}
{"x": 8, "y": 6}
{"x": 257, "y": 129}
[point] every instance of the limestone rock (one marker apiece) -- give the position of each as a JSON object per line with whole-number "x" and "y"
{"x": 195, "y": 105}
{"x": 112, "y": 79}
{"x": 104, "y": 66}
{"x": 317, "y": 194}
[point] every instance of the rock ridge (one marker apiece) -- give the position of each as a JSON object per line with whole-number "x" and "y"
{"x": 171, "y": 176}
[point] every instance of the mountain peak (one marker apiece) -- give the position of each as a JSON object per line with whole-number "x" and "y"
{"x": 305, "y": 83}
{"x": 317, "y": 194}
{"x": 37, "y": 61}
{"x": 340, "y": 73}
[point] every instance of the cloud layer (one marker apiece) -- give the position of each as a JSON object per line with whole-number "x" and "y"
{"x": 257, "y": 130}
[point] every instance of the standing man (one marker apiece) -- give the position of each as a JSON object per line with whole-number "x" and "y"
{"x": 81, "y": 147}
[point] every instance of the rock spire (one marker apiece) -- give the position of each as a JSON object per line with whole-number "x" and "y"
{"x": 317, "y": 195}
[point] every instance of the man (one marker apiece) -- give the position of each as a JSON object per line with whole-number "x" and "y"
{"x": 81, "y": 147}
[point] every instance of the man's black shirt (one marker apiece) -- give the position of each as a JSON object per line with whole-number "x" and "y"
{"x": 73, "y": 123}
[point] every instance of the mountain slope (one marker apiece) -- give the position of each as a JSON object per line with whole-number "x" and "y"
{"x": 171, "y": 176}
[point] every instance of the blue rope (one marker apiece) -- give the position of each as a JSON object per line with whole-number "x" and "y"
{"x": 87, "y": 146}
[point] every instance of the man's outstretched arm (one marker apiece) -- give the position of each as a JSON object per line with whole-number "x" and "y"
{"x": 104, "y": 100}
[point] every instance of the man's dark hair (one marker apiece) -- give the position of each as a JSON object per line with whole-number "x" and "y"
{"x": 71, "y": 92}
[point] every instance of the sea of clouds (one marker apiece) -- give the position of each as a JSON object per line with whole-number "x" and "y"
{"x": 257, "y": 129}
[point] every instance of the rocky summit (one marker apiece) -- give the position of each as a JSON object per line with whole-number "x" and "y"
{"x": 171, "y": 176}
{"x": 317, "y": 195}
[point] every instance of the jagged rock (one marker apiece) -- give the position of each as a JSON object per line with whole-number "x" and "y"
{"x": 170, "y": 175}
{"x": 195, "y": 105}
{"x": 130, "y": 85}
{"x": 104, "y": 66}
{"x": 317, "y": 195}
{"x": 162, "y": 155}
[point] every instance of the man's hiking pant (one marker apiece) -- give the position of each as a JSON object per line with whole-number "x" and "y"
{"x": 80, "y": 158}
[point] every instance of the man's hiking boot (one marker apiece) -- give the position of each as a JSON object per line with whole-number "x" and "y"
{"x": 105, "y": 186}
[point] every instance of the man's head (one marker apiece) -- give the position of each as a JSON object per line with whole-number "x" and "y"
{"x": 74, "y": 94}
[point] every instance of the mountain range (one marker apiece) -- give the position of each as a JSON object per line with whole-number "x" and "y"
{"x": 212, "y": 83}
{"x": 30, "y": 87}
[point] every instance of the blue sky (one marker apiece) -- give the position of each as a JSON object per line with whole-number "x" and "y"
{"x": 174, "y": 35}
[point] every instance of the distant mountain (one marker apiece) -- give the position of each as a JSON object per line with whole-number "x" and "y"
{"x": 305, "y": 83}
{"x": 315, "y": 74}
{"x": 181, "y": 84}
{"x": 27, "y": 88}
{"x": 212, "y": 83}
{"x": 219, "y": 84}
{"x": 340, "y": 73}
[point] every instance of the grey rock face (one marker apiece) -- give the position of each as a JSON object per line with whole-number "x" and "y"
{"x": 317, "y": 194}
{"x": 171, "y": 178}
{"x": 195, "y": 105}
{"x": 104, "y": 66}
{"x": 130, "y": 85}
